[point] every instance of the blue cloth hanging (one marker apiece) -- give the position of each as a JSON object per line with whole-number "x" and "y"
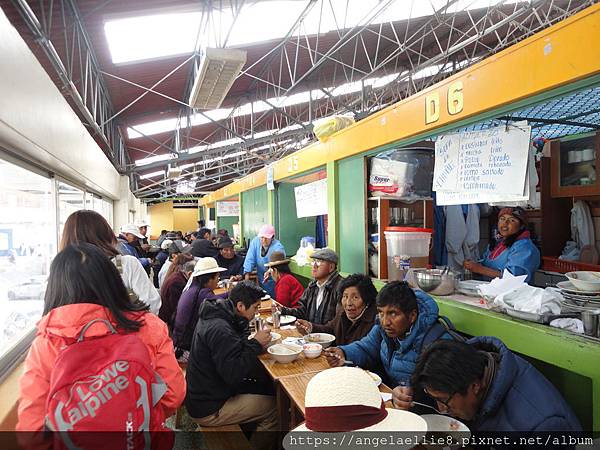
{"x": 440, "y": 253}
{"x": 320, "y": 232}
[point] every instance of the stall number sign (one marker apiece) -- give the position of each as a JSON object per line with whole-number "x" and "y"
{"x": 454, "y": 103}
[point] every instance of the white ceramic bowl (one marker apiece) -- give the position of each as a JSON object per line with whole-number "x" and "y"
{"x": 585, "y": 281}
{"x": 284, "y": 353}
{"x": 320, "y": 338}
{"x": 312, "y": 350}
{"x": 275, "y": 337}
{"x": 447, "y": 429}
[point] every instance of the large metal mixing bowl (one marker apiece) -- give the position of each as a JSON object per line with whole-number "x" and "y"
{"x": 435, "y": 281}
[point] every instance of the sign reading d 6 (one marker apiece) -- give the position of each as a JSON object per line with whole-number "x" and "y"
{"x": 454, "y": 104}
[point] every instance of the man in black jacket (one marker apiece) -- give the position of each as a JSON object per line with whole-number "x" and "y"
{"x": 321, "y": 298}
{"x": 203, "y": 245}
{"x": 226, "y": 383}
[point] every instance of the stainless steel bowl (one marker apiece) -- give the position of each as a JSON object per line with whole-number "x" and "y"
{"x": 435, "y": 281}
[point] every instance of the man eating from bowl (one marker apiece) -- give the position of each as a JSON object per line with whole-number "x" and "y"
{"x": 486, "y": 385}
{"x": 397, "y": 338}
{"x": 319, "y": 301}
{"x": 226, "y": 383}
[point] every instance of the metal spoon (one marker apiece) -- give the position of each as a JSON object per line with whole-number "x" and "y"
{"x": 430, "y": 407}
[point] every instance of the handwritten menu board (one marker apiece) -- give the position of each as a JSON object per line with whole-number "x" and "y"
{"x": 482, "y": 166}
{"x": 228, "y": 209}
{"x": 311, "y": 199}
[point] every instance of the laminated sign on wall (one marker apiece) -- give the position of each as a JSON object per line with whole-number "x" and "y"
{"x": 482, "y": 166}
{"x": 311, "y": 199}
{"x": 228, "y": 209}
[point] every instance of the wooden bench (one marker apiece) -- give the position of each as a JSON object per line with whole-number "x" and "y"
{"x": 179, "y": 413}
{"x": 224, "y": 437}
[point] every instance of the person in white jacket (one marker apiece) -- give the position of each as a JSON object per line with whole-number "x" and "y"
{"x": 89, "y": 226}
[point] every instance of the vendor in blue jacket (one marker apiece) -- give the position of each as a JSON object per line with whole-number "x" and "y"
{"x": 405, "y": 319}
{"x": 514, "y": 250}
{"x": 486, "y": 385}
{"x": 259, "y": 252}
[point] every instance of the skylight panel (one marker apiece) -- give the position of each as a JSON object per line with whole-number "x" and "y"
{"x": 150, "y": 128}
{"x": 149, "y": 37}
{"x": 152, "y": 174}
{"x": 246, "y": 29}
{"x": 151, "y": 159}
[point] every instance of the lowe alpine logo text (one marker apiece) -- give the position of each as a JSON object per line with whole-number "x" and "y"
{"x": 87, "y": 399}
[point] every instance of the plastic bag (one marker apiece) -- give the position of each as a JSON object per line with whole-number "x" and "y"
{"x": 302, "y": 256}
{"x": 403, "y": 173}
{"x": 327, "y": 126}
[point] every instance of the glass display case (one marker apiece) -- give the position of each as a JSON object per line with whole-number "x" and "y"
{"x": 574, "y": 163}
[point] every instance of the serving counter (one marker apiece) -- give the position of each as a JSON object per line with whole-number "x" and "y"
{"x": 571, "y": 362}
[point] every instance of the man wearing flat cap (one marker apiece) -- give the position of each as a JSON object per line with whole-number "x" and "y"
{"x": 320, "y": 299}
{"x": 229, "y": 260}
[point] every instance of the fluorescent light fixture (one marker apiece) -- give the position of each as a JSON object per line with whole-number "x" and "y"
{"x": 218, "y": 69}
{"x": 152, "y": 174}
{"x": 152, "y": 36}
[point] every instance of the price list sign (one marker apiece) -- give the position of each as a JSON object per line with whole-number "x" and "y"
{"x": 482, "y": 166}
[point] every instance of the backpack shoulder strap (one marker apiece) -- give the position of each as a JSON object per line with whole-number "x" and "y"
{"x": 442, "y": 326}
{"x": 118, "y": 263}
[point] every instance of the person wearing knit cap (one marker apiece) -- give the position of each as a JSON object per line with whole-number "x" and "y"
{"x": 514, "y": 251}
{"x": 259, "y": 252}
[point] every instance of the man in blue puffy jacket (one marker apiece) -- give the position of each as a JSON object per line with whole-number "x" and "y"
{"x": 486, "y": 385}
{"x": 396, "y": 340}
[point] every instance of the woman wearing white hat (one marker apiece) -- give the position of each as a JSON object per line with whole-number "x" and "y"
{"x": 201, "y": 286}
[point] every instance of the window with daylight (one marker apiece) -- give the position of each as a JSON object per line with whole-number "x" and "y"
{"x": 27, "y": 244}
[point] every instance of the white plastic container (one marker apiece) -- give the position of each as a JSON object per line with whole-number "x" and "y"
{"x": 407, "y": 248}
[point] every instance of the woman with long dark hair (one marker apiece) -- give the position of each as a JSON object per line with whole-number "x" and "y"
{"x": 171, "y": 290}
{"x": 514, "y": 251}
{"x": 87, "y": 226}
{"x": 84, "y": 286}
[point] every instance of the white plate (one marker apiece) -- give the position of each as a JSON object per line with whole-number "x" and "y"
{"x": 283, "y": 320}
{"x": 570, "y": 287}
{"x": 469, "y": 287}
{"x": 581, "y": 298}
{"x": 376, "y": 378}
{"x": 265, "y": 297}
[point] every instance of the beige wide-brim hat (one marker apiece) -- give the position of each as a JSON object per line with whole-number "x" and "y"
{"x": 351, "y": 386}
{"x": 276, "y": 259}
{"x": 205, "y": 266}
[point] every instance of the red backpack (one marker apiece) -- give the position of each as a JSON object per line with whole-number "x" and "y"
{"x": 105, "y": 384}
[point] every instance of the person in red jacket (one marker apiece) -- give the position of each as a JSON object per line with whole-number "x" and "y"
{"x": 84, "y": 285}
{"x": 288, "y": 290}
